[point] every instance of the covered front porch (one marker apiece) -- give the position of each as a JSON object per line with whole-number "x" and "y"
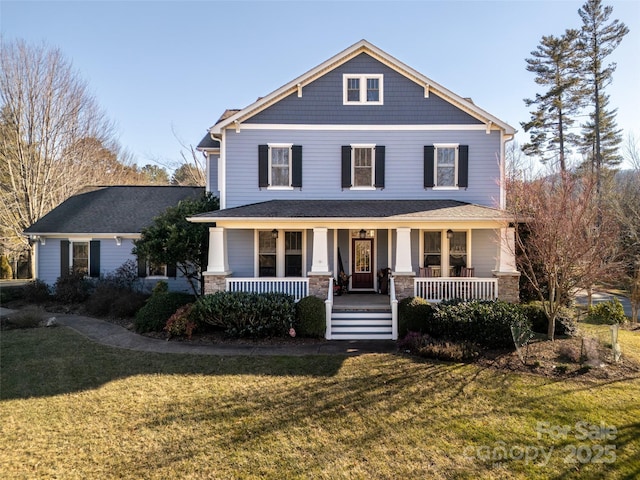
{"x": 400, "y": 249}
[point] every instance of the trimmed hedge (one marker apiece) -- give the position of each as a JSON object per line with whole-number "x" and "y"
{"x": 311, "y": 317}
{"x": 153, "y": 316}
{"x": 242, "y": 314}
{"x": 484, "y": 323}
{"x": 413, "y": 315}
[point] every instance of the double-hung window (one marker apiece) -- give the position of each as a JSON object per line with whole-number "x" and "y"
{"x": 363, "y": 89}
{"x": 446, "y": 165}
{"x": 80, "y": 257}
{"x": 363, "y": 164}
{"x": 280, "y": 166}
{"x": 266, "y": 254}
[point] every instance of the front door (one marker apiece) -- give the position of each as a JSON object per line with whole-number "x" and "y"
{"x": 362, "y": 266}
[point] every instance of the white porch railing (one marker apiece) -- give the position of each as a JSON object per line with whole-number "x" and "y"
{"x": 296, "y": 287}
{"x": 447, "y": 288}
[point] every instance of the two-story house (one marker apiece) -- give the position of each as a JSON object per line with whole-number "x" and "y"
{"x": 360, "y": 165}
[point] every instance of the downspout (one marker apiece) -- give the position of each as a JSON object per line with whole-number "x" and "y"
{"x": 504, "y": 138}
{"x": 222, "y": 170}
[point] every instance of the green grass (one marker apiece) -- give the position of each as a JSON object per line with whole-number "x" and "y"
{"x": 72, "y": 409}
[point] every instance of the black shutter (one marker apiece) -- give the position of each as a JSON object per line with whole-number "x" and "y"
{"x": 463, "y": 166}
{"x": 172, "y": 270}
{"x": 296, "y": 166}
{"x": 263, "y": 166}
{"x": 94, "y": 258}
{"x": 142, "y": 267}
{"x": 346, "y": 166}
{"x": 64, "y": 258}
{"x": 429, "y": 181}
{"x": 379, "y": 181}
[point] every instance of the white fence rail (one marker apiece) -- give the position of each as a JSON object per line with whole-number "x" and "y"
{"x": 448, "y": 288}
{"x": 296, "y": 287}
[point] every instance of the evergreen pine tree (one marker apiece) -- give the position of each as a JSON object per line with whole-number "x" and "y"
{"x": 598, "y": 39}
{"x": 556, "y": 66}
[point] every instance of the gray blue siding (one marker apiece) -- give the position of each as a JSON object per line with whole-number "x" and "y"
{"x": 212, "y": 174}
{"x": 404, "y": 102}
{"x": 112, "y": 256}
{"x": 321, "y": 165}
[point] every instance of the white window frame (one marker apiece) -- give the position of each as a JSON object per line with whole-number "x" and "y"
{"x": 455, "y": 166}
{"x": 148, "y": 270}
{"x": 363, "y": 88}
{"x": 280, "y": 251}
{"x": 445, "y": 251}
{"x": 371, "y": 147}
{"x": 284, "y": 146}
{"x": 80, "y": 240}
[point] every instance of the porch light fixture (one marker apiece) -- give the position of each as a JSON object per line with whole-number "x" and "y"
{"x": 274, "y": 233}
{"x": 450, "y": 234}
{"x": 118, "y": 240}
{"x": 363, "y": 233}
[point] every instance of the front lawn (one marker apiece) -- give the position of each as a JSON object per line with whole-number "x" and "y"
{"x": 73, "y": 409}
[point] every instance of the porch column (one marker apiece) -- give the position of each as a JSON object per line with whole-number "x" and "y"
{"x": 320, "y": 262}
{"x": 218, "y": 260}
{"x": 506, "y": 271}
{"x": 506, "y": 261}
{"x": 403, "y": 250}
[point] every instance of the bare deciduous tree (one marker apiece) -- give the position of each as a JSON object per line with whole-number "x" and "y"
{"x": 54, "y": 139}
{"x": 567, "y": 240}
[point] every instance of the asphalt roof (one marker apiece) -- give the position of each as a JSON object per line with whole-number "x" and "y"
{"x": 374, "y": 209}
{"x": 208, "y": 142}
{"x": 115, "y": 209}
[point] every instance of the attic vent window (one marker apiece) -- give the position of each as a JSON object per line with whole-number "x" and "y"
{"x": 362, "y": 89}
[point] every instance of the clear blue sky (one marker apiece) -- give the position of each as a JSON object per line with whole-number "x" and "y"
{"x": 162, "y": 66}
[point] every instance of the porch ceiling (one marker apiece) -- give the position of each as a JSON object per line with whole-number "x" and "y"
{"x": 362, "y": 210}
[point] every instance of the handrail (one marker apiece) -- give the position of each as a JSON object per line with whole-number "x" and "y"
{"x": 328, "y": 308}
{"x": 394, "y": 308}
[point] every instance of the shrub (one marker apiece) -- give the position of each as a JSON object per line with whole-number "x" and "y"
{"x": 5, "y": 268}
{"x": 180, "y": 323}
{"x": 610, "y": 312}
{"x": 153, "y": 316}
{"x": 311, "y": 317}
{"x": 36, "y": 291}
{"x": 72, "y": 288}
{"x": 160, "y": 287}
{"x": 426, "y": 346}
{"x": 413, "y": 315}
{"x": 127, "y": 304}
{"x": 483, "y": 322}
{"x": 243, "y": 314}
{"x": 29, "y": 317}
{"x": 565, "y": 323}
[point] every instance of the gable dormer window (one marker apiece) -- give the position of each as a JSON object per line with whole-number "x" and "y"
{"x": 363, "y": 89}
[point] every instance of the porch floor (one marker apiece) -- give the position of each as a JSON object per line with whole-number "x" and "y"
{"x": 361, "y": 301}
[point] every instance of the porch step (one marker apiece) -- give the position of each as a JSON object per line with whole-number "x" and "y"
{"x": 361, "y": 325}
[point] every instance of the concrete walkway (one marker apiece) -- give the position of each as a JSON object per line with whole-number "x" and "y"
{"x": 112, "y": 335}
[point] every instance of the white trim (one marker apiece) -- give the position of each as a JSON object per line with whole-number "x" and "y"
{"x": 288, "y": 146}
{"x": 456, "y": 148}
{"x": 361, "y": 127}
{"x": 222, "y": 171}
{"x": 362, "y": 78}
{"x": 364, "y": 146}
